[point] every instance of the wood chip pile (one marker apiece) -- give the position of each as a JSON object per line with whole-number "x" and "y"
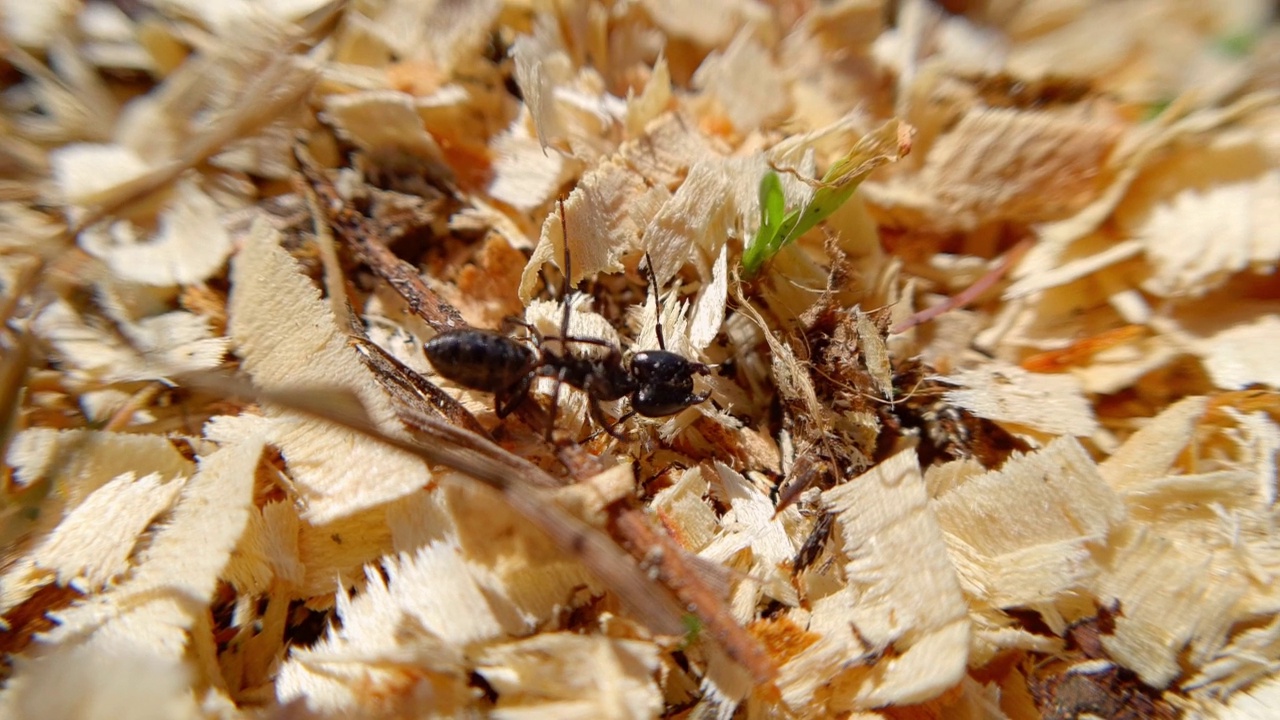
{"x": 994, "y": 436}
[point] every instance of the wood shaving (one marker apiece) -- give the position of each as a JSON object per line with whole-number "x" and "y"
{"x": 915, "y": 614}
{"x": 1189, "y": 254}
{"x": 190, "y": 247}
{"x": 435, "y": 359}
{"x": 1052, "y": 404}
{"x": 1018, "y": 528}
{"x": 311, "y": 349}
{"x": 604, "y": 677}
{"x": 77, "y": 548}
{"x": 965, "y": 181}
{"x": 745, "y": 84}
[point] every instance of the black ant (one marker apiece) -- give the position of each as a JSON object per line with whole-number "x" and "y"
{"x": 658, "y": 382}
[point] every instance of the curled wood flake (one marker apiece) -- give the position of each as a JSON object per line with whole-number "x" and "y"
{"x": 267, "y": 556}
{"x": 573, "y": 676}
{"x": 524, "y": 174}
{"x": 537, "y": 578}
{"x": 541, "y": 65}
{"x": 1153, "y": 451}
{"x": 1253, "y": 703}
{"x": 709, "y": 310}
{"x": 1243, "y": 661}
{"x": 667, "y": 150}
{"x": 191, "y": 244}
{"x": 675, "y": 322}
{"x": 752, "y": 522}
{"x": 697, "y": 213}
{"x": 1196, "y": 239}
{"x": 443, "y": 35}
{"x": 149, "y": 348}
{"x": 1051, "y": 404}
{"x": 83, "y": 171}
{"x": 1026, "y": 532}
{"x": 651, "y": 101}
{"x": 745, "y": 83}
{"x": 144, "y": 625}
{"x": 399, "y": 634}
{"x": 1239, "y": 355}
{"x": 382, "y": 119}
{"x": 711, "y": 25}
{"x": 683, "y": 511}
{"x": 113, "y": 679}
{"x": 309, "y": 349}
{"x": 605, "y": 217}
{"x": 93, "y": 543}
{"x": 83, "y": 461}
{"x": 1165, "y": 602}
{"x": 902, "y": 613}
{"x": 981, "y": 170}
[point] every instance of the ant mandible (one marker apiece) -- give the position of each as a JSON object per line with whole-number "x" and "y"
{"x": 657, "y": 382}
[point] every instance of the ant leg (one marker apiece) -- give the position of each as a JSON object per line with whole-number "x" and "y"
{"x": 510, "y": 322}
{"x": 616, "y": 423}
{"x": 564, "y": 341}
{"x": 555, "y": 403}
{"x": 508, "y": 402}
{"x": 597, "y": 414}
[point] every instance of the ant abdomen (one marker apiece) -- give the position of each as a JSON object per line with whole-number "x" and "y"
{"x": 481, "y": 359}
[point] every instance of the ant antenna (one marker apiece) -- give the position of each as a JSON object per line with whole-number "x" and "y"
{"x": 657, "y": 299}
{"x": 564, "y": 323}
{"x": 568, "y": 273}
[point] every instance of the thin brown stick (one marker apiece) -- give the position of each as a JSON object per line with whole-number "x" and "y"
{"x": 807, "y": 469}
{"x": 13, "y": 375}
{"x": 969, "y": 294}
{"x": 120, "y": 418}
{"x": 362, "y": 236}
{"x": 395, "y": 376}
{"x": 664, "y": 557}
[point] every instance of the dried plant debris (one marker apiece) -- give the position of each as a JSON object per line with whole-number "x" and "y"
{"x": 598, "y": 359}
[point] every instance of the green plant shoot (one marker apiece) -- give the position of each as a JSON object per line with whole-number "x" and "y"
{"x": 779, "y": 228}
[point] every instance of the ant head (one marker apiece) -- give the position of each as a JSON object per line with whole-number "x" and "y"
{"x": 664, "y": 383}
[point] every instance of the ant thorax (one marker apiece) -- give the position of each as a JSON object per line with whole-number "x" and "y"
{"x": 589, "y": 360}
